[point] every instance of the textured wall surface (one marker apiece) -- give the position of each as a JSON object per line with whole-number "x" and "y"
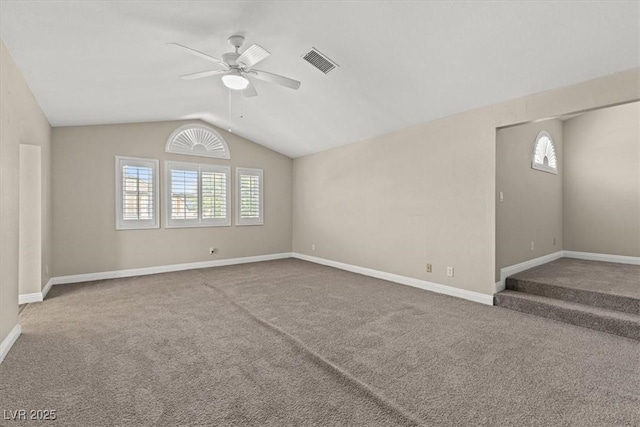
{"x": 426, "y": 194}
{"x": 21, "y": 122}
{"x": 85, "y": 238}
{"x": 602, "y": 181}
{"x": 532, "y": 207}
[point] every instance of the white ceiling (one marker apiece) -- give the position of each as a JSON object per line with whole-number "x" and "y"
{"x": 401, "y": 63}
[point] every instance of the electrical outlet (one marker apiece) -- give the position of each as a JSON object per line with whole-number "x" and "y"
{"x": 313, "y": 247}
{"x": 213, "y": 250}
{"x": 554, "y": 241}
{"x": 429, "y": 268}
{"x": 450, "y": 271}
{"x": 501, "y": 196}
{"x": 46, "y": 269}
{"x": 533, "y": 246}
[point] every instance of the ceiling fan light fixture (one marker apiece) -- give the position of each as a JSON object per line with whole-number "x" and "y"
{"x": 238, "y": 66}
{"x": 235, "y": 81}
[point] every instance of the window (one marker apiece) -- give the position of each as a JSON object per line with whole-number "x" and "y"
{"x": 197, "y": 195}
{"x": 197, "y": 140}
{"x": 544, "y": 154}
{"x": 250, "y": 199}
{"x": 136, "y": 193}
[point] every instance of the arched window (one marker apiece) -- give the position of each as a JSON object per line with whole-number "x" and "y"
{"x": 544, "y": 154}
{"x": 197, "y": 140}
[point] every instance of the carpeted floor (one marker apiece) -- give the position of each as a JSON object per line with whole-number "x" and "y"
{"x": 595, "y": 276}
{"x": 293, "y": 343}
{"x": 599, "y": 295}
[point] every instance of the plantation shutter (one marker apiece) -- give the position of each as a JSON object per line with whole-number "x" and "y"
{"x": 136, "y": 193}
{"x": 214, "y": 195}
{"x": 198, "y": 195}
{"x": 250, "y": 197}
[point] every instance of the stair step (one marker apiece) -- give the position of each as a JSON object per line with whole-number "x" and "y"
{"x": 609, "y": 301}
{"x": 598, "y": 318}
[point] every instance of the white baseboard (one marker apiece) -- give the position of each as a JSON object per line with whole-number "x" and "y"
{"x": 409, "y": 281}
{"x": 29, "y": 298}
{"x": 8, "y": 342}
{"x": 89, "y": 277}
{"x": 47, "y": 288}
{"x": 403, "y": 280}
{"x": 517, "y": 268}
{"x": 36, "y": 296}
{"x": 620, "y": 259}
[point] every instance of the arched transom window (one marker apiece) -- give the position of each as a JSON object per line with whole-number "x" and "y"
{"x": 197, "y": 140}
{"x": 544, "y": 154}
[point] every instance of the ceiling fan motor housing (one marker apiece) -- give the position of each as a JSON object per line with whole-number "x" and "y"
{"x": 230, "y": 58}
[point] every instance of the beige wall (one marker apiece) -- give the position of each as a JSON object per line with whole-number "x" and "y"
{"x": 85, "y": 238}
{"x": 21, "y": 121}
{"x": 602, "y": 181}
{"x": 30, "y": 213}
{"x": 531, "y": 210}
{"x": 426, "y": 194}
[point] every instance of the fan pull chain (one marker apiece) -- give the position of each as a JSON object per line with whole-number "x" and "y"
{"x": 229, "y": 110}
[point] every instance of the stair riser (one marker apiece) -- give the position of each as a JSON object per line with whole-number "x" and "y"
{"x": 594, "y": 299}
{"x": 588, "y": 320}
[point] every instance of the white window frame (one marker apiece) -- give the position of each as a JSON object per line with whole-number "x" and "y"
{"x": 137, "y": 224}
{"x": 249, "y": 221}
{"x": 199, "y": 222}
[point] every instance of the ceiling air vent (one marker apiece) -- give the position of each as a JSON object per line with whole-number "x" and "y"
{"x": 320, "y": 61}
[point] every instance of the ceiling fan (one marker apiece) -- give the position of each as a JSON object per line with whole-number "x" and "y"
{"x": 238, "y": 68}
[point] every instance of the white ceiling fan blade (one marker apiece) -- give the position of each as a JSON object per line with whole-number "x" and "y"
{"x": 275, "y": 78}
{"x": 250, "y": 90}
{"x": 202, "y": 74}
{"x": 201, "y": 55}
{"x": 252, "y": 56}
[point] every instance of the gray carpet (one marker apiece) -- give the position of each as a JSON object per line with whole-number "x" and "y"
{"x": 599, "y": 284}
{"x": 292, "y": 343}
{"x": 609, "y": 278}
{"x": 588, "y": 316}
{"x": 599, "y": 295}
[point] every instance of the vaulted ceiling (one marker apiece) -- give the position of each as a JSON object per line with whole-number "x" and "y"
{"x": 400, "y": 63}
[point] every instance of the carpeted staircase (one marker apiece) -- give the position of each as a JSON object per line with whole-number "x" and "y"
{"x": 535, "y": 292}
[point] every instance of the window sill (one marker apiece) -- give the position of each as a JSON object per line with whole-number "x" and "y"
{"x": 197, "y": 226}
